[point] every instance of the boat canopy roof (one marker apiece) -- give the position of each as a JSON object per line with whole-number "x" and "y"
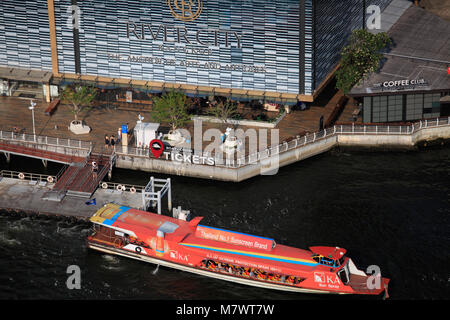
{"x": 334, "y": 253}
{"x": 142, "y": 223}
{"x": 125, "y": 217}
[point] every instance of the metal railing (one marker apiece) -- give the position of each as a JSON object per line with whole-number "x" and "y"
{"x": 353, "y": 129}
{"x": 103, "y": 172}
{"x": 46, "y": 140}
{"x": 28, "y": 176}
{"x": 237, "y": 161}
{"x": 121, "y": 186}
{"x": 74, "y": 173}
{"x": 61, "y": 172}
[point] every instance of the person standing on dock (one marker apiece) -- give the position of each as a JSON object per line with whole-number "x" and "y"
{"x": 113, "y": 142}
{"x": 94, "y": 170}
{"x": 106, "y": 141}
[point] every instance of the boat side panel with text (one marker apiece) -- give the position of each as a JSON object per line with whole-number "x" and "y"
{"x": 227, "y": 255}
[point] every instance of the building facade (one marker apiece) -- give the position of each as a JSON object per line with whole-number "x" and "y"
{"x": 272, "y": 49}
{"x": 413, "y": 81}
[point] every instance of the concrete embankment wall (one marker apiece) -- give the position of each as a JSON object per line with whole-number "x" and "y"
{"x": 393, "y": 140}
{"x": 430, "y": 134}
{"x": 223, "y": 173}
{"x": 176, "y": 168}
{"x": 284, "y": 158}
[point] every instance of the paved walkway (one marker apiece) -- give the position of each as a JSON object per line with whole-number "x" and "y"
{"x": 308, "y": 121}
{"x": 438, "y": 7}
{"x": 15, "y": 113}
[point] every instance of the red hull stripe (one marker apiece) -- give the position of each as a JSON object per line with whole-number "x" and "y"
{"x": 255, "y": 255}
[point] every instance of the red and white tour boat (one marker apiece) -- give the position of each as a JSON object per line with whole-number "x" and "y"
{"x": 227, "y": 255}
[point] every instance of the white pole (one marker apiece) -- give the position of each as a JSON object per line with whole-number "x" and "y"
{"x": 34, "y": 127}
{"x": 169, "y": 195}
{"x": 159, "y": 202}
{"x": 31, "y": 107}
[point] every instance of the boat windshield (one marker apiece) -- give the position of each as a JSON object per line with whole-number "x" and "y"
{"x": 327, "y": 261}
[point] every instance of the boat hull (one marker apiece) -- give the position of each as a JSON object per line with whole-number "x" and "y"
{"x": 211, "y": 274}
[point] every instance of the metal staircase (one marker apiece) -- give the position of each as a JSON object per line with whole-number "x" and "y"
{"x": 79, "y": 180}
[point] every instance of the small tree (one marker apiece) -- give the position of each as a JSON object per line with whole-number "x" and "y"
{"x": 78, "y": 98}
{"x": 223, "y": 110}
{"x": 171, "y": 108}
{"x": 360, "y": 57}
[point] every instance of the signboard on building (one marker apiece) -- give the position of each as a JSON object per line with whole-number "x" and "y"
{"x": 398, "y": 85}
{"x": 214, "y": 43}
{"x": 129, "y": 96}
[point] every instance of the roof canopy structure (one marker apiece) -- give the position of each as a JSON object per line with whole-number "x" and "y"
{"x": 192, "y": 90}
{"x": 419, "y": 59}
{"x": 18, "y": 74}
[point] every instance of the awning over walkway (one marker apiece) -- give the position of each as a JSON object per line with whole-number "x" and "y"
{"x": 18, "y": 74}
{"x": 191, "y": 90}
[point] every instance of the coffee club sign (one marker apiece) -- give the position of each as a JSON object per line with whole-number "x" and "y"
{"x": 401, "y": 84}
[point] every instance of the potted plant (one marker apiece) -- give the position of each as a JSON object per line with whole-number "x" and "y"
{"x": 79, "y": 98}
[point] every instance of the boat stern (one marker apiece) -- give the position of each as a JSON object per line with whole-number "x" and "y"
{"x": 362, "y": 283}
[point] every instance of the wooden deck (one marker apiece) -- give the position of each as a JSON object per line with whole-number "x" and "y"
{"x": 102, "y": 120}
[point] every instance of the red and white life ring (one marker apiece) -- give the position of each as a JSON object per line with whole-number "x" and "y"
{"x": 133, "y": 190}
{"x": 21, "y": 176}
{"x": 50, "y": 179}
{"x": 104, "y": 185}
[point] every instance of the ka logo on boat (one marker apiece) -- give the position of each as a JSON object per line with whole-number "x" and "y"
{"x": 319, "y": 277}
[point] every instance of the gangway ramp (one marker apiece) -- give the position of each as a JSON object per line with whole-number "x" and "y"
{"x": 79, "y": 180}
{"x": 43, "y": 147}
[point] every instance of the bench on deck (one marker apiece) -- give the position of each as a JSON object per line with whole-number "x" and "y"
{"x": 52, "y": 107}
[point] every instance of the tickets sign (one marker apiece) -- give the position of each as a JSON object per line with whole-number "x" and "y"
{"x": 235, "y": 238}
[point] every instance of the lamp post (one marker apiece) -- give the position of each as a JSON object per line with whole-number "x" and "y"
{"x": 31, "y": 107}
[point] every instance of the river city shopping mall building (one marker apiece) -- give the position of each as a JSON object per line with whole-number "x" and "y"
{"x": 282, "y": 51}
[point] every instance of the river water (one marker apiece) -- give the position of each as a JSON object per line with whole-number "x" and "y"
{"x": 389, "y": 209}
